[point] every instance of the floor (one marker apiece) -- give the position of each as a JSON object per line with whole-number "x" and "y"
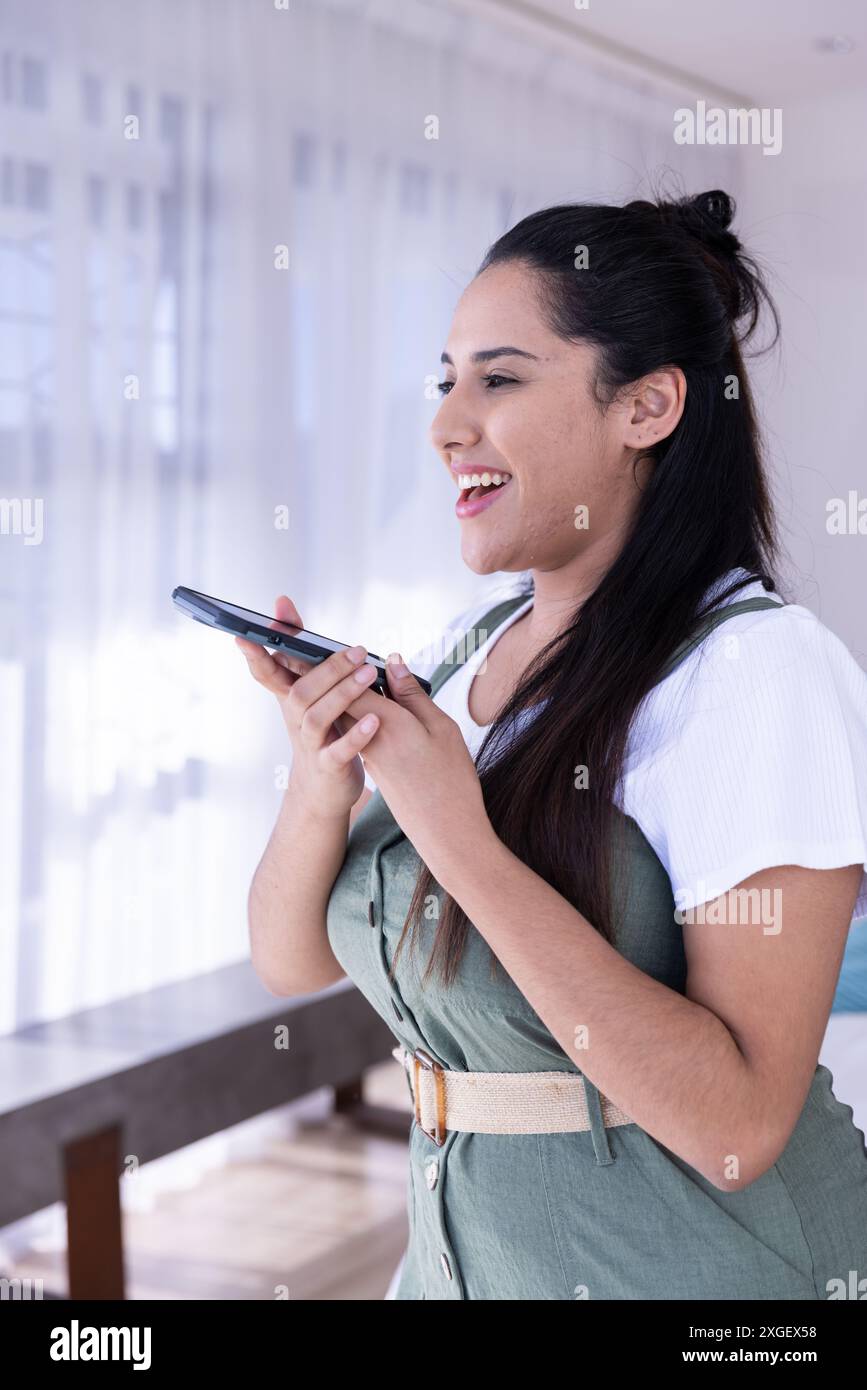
{"x": 315, "y": 1212}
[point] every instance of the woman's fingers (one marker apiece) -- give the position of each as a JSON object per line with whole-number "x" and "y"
{"x": 287, "y": 615}
{"x": 287, "y": 620}
{"x": 291, "y": 663}
{"x": 315, "y": 717}
{"x": 286, "y": 612}
{"x": 315, "y": 698}
{"x": 320, "y": 679}
{"x": 263, "y": 668}
{"x": 313, "y": 703}
{"x": 344, "y": 749}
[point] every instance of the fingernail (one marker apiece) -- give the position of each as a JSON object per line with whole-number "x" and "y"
{"x": 356, "y": 654}
{"x": 395, "y": 661}
{"x": 365, "y": 672}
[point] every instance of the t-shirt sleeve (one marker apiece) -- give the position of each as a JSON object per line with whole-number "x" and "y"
{"x": 764, "y": 761}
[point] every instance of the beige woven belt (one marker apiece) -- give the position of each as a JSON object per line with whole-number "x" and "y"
{"x": 498, "y": 1102}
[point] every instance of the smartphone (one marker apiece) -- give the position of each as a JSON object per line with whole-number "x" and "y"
{"x": 309, "y": 647}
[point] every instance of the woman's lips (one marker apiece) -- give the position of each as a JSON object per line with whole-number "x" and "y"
{"x": 470, "y": 506}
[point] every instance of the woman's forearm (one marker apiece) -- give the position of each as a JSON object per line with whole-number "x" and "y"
{"x": 289, "y": 896}
{"x": 670, "y": 1063}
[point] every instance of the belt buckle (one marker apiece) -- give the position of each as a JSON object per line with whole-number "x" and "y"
{"x": 421, "y": 1058}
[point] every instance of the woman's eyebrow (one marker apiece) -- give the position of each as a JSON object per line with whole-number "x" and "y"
{"x": 487, "y": 354}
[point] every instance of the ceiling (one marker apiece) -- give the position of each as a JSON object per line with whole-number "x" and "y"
{"x": 762, "y": 50}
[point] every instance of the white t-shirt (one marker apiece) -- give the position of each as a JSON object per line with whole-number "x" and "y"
{"x": 752, "y": 753}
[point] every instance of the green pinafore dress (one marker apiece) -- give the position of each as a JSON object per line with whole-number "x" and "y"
{"x": 606, "y": 1213}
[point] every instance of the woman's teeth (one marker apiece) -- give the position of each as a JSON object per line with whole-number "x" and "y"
{"x": 482, "y": 479}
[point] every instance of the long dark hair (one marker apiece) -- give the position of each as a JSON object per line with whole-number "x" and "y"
{"x": 666, "y": 283}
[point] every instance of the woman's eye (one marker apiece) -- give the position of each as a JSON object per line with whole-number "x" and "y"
{"x": 445, "y": 386}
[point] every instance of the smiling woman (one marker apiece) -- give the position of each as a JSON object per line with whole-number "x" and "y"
{"x": 605, "y": 1105}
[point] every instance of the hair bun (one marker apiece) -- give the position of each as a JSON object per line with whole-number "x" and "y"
{"x": 709, "y": 216}
{"x": 704, "y": 221}
{"x": 706, "y": 216}
{"x": 716, "y": 206}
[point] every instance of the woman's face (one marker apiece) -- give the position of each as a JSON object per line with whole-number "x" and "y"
{"x": 530, "y": 413}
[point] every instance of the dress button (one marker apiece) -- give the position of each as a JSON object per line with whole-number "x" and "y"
{"x": 431, "y": 1173}
{"x": 397, "y": 1011}
{"x": 371, "y": 913}
{"x": 444, "y": 1261}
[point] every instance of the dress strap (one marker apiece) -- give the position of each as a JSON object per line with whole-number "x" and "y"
{"x": 473, "y": 638}
{"x": 480, "y": 631}
{"x": 708, "y": 623}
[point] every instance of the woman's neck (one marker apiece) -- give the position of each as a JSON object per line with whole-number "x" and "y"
{"x": 558, "y": 593}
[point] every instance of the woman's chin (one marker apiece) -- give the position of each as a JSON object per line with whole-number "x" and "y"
{"x": 485, "y": 559}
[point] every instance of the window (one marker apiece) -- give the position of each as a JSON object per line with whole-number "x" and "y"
{"x": 96, "y": 201}
{"x": 91, "y": 96}
{"x": 33, "y": 84}
{"x": 134, "y": 207}
{"x": 37, "y": 187}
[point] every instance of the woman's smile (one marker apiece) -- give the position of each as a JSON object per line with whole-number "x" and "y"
{"x": 479, "y": 494}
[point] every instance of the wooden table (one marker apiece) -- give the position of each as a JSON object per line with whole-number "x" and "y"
{"x": 84, "y": 1097}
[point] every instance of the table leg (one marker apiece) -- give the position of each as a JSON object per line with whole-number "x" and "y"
{"x": 93, "y": 1216}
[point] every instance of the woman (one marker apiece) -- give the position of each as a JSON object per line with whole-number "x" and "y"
{"x": 602, "y": 889}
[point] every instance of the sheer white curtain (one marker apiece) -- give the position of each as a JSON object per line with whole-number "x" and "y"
{"x": 230, "y": 251}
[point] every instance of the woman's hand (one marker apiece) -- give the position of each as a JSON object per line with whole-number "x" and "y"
{"x": 424, "y": 770}
{"x": 318, "y": 704}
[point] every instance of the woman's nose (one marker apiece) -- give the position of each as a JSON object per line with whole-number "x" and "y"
{"x": 452, "y": 427}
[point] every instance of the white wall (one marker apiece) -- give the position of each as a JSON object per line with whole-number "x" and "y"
{"x": 805, "y": 212}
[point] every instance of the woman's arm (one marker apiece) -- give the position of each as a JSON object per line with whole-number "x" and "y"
{"x": 718, "y": 1076}
{"x": 289, "y": 896}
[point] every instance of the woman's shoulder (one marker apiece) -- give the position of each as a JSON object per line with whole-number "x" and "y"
{"x": 754, "y": 752}
{"x": 781, "y": 659}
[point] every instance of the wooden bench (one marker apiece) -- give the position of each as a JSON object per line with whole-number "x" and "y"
{"x": 82, "y": 1096}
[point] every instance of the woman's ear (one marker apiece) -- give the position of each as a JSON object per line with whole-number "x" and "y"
{"x": 654, "y": 407}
